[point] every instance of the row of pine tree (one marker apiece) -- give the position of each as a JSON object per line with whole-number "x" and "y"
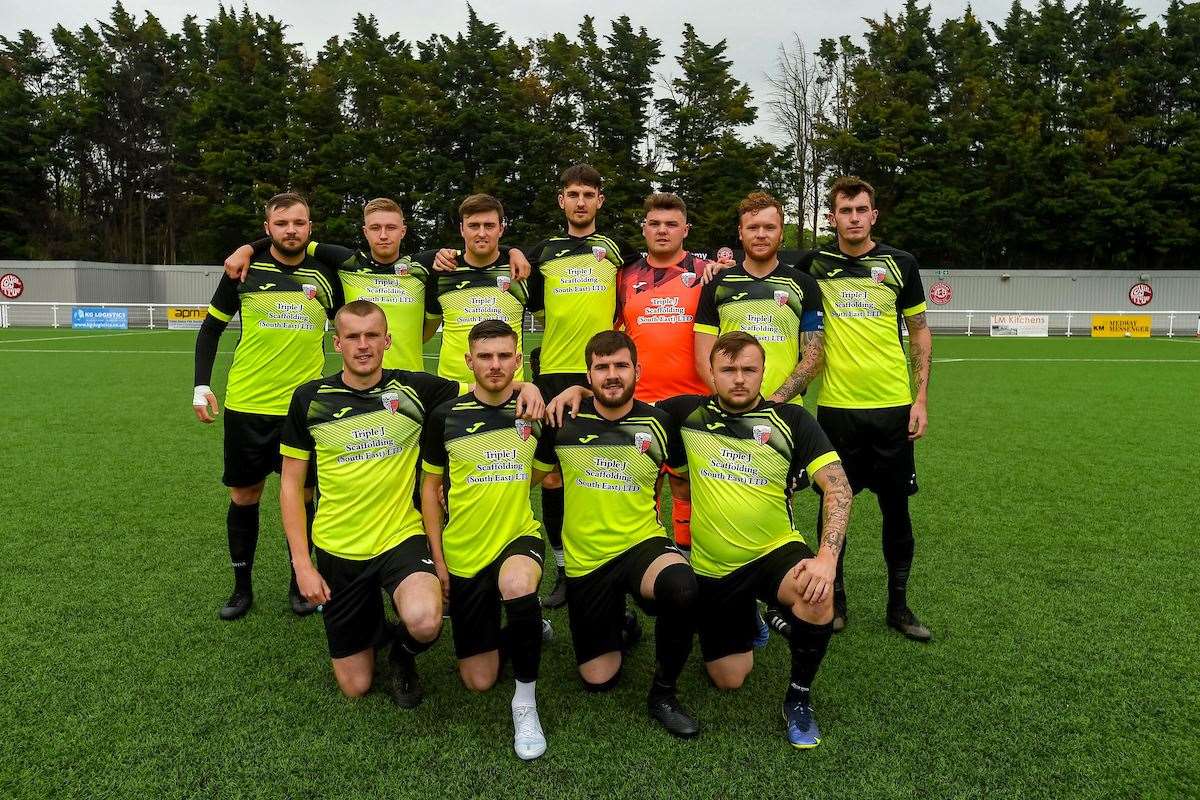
{"x": 1062, "y": 136}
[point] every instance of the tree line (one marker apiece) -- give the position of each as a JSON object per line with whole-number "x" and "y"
{"x": 1060, "y": 137}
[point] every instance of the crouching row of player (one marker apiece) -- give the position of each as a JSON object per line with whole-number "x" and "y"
{"x": 476, "y": 547}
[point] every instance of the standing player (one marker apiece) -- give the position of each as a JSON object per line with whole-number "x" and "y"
{"x": 573, "y": 284}
{"x": 867, "y": 406}
{"x": 611, "y": 454}
{"x": 745, "y": 458}
{"x": 484, "y": 290}
{"x": 657, "y": 299}
{"x": 778, "y": 304}
{"x": 284, "y": 304}
{"x": 477, "y": 456}
{"x": 361, "y": 427}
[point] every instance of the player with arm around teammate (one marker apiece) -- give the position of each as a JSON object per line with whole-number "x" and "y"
{"x": 611, "y": 454}
{"x": 745, "y": 458}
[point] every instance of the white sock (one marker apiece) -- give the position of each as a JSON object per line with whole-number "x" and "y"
{"x": 524, "y": 696}
{"x": 558, "y": 557}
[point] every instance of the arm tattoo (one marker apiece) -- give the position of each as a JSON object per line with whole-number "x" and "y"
{"x": 836, "y": 502}
{"x": 917, "y": 322}
{"x": 920, "y": 350}
{"x": 812, "y": 356}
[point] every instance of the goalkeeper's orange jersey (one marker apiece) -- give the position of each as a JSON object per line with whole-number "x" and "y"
{"x": 656, "y": 307}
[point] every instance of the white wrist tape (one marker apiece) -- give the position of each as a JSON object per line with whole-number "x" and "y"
{"x": 200, "y": 395}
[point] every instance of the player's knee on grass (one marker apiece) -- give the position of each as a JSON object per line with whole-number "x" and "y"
{"x": 601, "y": 673}
{"x": 730, "y": 672}
{"x": 479, "y": 673}
{"x": 246, "y": 495}
{"x": 418, "y": 602}
{"x": 354, "y": 674}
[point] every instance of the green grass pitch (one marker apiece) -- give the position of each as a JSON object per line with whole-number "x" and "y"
{"x": 1056, "y": 564}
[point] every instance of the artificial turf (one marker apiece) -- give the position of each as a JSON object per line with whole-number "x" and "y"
{"x": 1056, "y": 564}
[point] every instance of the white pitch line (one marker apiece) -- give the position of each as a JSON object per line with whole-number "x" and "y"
{"x": 108, "y": 352}
{"x": 74, "y": 336}
{"x": 1077, "y": 360}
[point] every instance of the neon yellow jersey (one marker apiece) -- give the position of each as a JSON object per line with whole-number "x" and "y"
{"x": 744, "y": 469}
{"x": 468, "y": 296}
{"x": 398, "y": 288}
{"x": 611, "y": 475}
{"x": 485, "y": 455}
{"x": 574, "y": 283}
{"x": 776, "y": 310}
{"x": 282, "y": 345}
{"x": 864, "y": 299}
{"x": 366, "y": 443}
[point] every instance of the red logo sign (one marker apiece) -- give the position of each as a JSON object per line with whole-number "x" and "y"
{"x": 1140, "y": 294}
{"x": 941, "y": 293}
{"x": 725, "y": 254}
{"x": 11, "y": 286}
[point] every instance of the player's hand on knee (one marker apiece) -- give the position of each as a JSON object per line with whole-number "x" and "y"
{"x": 204, "y": 403}
{"x": 446, "y": 260}
{"x": 814, "y": 578}
{"x": 530, "y": 404}
{"x": 312, "y": 585}
{"x": 238, "y": 262}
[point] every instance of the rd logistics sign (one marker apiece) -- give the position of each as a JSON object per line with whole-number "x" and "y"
{"x": 93, "y": 317}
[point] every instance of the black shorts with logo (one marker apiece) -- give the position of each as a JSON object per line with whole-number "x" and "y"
{"x": 252, "y": 449}
{"x": 596, "y": 601}
{"x": 475, "y": 601}
{"x": 873, "y": 445}
{"x": 354, "y": 615}
{"x": 727, "y": 608}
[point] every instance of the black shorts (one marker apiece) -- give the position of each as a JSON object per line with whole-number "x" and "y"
{"x": 727, "y": 611}
{"x": 252, "y": 449}
{"x": 873, "y": 445}
{"x": 475, "y": 601}
{"x": 555, "y": 383}
{"x": 354, "y": 615}
{"x": 596, "y": 601}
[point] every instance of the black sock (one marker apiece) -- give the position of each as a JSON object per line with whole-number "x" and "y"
{"x": 241, "y": 523}
{"x": 675, "y": 594}
{"x": 552, "y": 516}
{"x": 809, "y": 643}
{"x": 524, "y": 636}
{"x": 898, "y": 547}
{"x": 405, "y": 647}
{"x": 310, "y": 512}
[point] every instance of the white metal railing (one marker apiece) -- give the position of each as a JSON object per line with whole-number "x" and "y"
{"x": 50, "y": 314}
{"x": 1069, "y": 321}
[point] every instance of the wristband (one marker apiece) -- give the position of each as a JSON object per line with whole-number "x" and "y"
{"x": 200, "y": 395}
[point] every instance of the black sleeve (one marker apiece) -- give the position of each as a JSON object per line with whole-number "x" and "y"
{"x": 331, "y": 255}
{"x": 545, "y": 452}
{"x": 224, "y": 304}
{"x": 295, "y": 434}
{"x": 912, "y": 294}
{"x": 433, "y": 304}
{"x": 804, "y": 263}
{"x": 812, "y": 316}
{"x": 432, "y": 389}
{"x": 536, "y": 283}
{"x": 433, "y": 440}
{"x": 676, "y": 454}
{"x": 338, "y": 298}
{"x": 629, "y": 254}
{"x": 706, "y": 309}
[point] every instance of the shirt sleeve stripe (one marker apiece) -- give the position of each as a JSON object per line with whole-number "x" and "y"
{"x": 822, "y": 461}
{"x": 712, "y": 330}
{"x": 431, "y": 469}
{"x": 543, "y": 466}
{"x": 293, "y": 452}
{"x": 219, "y": 314}
{"x": 919, "y": 308}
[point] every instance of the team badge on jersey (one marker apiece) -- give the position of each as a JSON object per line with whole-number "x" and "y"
{"x": 401, "y": 268}
{"x": 503, "y": 282}
{"x": 642, "y": 442}
{"x": 599, "y": 253}
{"x": 762, "y": 433}
{"x": 689, "y": 279}
{"x": 524, "y": 429}
{"x": 879, "y": 274}
{"x": 391, "y": 401}
{"x": 781, "y": 297}
{"x": 310, "y": 291}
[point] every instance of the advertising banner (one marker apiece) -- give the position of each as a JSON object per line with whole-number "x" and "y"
{"x": 1108, "y": 326}
{"x": 185, "y": 319}
{"x": 1020, "y": 325}
{"x": 94, "y": 317}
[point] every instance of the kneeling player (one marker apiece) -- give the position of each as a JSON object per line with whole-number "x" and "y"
{"x": 745, "y": 458}
{"x": 490, "y": 554}
{"x": 363, "y": 427}
{"x": 611, "y": 454}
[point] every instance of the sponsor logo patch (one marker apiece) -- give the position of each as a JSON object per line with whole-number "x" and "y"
{"x": 310, "y": 291}
{"x": 762, "y": 433}
{"x": 599, "y": 253}
{"x": 391, "y": 401}
{"x": 879, "y": 274}
{"x": 524, "y": 429}
{"x": 503, "y": 282}
{"x": 689, "y": 279}
{"x": 401, "y": 268}
{"x": 642, "y": 441}
{"x": 781, "y": 297}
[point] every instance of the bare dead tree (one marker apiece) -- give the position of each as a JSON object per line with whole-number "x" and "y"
{"x": 792, "y": 112}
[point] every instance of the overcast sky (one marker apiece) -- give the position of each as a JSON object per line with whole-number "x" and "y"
{"x": 754, "y": 31}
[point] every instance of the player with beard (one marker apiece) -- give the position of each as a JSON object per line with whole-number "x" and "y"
{"x": 746, "y": 456}
{"x": 477, "y": 456}
{"x": 867, "y": 405}
{"x": 284, "y": 303}
{"x": 611, "y": 454}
